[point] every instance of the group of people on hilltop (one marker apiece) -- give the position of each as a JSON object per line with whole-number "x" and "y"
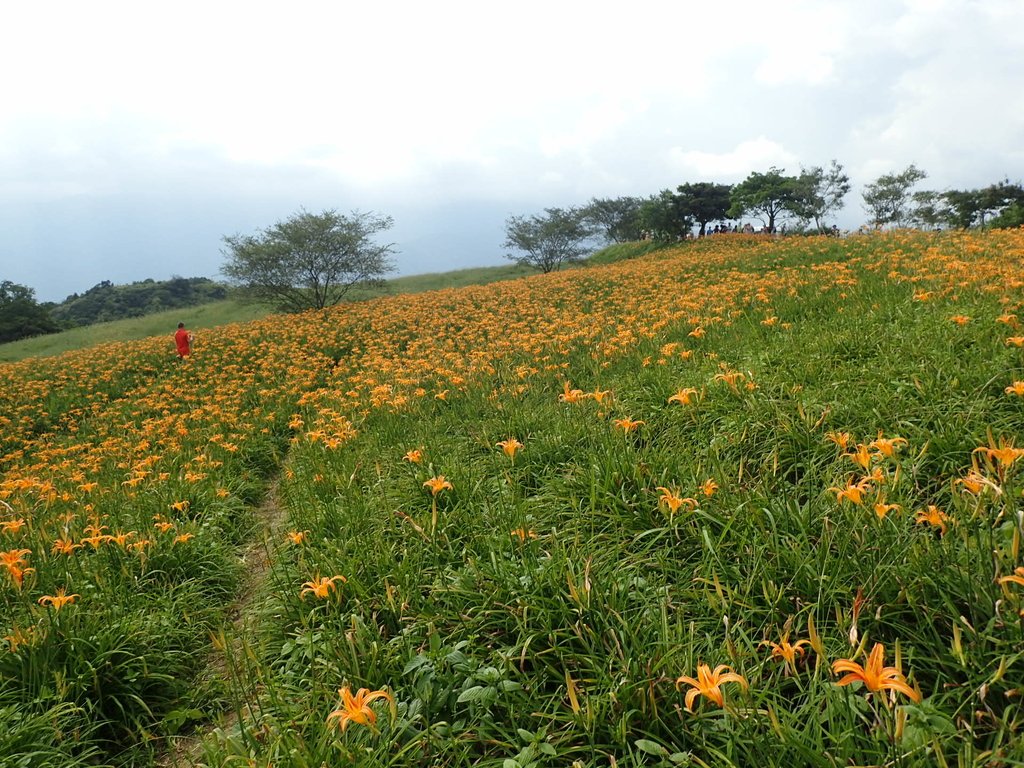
{"x": 736, "y": 229}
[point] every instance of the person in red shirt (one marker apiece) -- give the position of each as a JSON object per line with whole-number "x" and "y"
{"x": 183, "y": 341}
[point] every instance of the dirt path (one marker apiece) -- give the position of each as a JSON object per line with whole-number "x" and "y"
{"x": 270, "y": 519}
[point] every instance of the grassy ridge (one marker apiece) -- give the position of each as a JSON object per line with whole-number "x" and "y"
{"x": 728, "y": 453}
{"x": 220, "y": 313}
{"x": 540, "y": 611}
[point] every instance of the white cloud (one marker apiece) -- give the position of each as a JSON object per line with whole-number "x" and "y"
{"x": 755, "y": 155}
{"x": 254, "y": 106}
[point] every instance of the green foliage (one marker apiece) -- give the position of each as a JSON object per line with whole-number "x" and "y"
{"x": 540, "y": 612}
{"x": 997, "y": 204}
{"x": 1010, "y": 217}
{"x": 547, "y": 242}
{"x": 617, "y": 219}
{"x": 769, "y": 196}
{"x": 20, "y": 315}
{"x": 820, "y": 194}
{"x": 888, "y": 198}
{"x": 705, "y": 202}
{"x": 310, "y": 260}
{"x": 665, "y": 218}
{"x": 202, "y": 317}
{"x": 105, "y": 301}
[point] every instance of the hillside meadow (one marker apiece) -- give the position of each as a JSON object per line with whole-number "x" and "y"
{"x": 746, "y": 501}
{"x": 237, "y": 310}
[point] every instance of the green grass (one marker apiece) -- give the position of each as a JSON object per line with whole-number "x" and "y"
{"x": 202, "y": 317}
{"x": 233, "y": 311}
{"x": 541, "y": 611}
{"x": 220, "y": 313}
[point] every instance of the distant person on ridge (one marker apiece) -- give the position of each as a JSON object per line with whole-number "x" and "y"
{"x": 183, "y": 341}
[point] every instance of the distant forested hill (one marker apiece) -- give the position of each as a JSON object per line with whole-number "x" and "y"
{"x": 107, "y": 301}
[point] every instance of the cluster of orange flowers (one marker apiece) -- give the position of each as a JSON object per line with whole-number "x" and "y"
{"x": 98, "y": 443}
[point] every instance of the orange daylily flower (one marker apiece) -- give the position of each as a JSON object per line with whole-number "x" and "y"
{"x": 627, "y": 424}
{"x": 1003, "y": 454}
{"x": 853, "y": 492}
{"x": 709, "y": 487}
{"x": 121, "y": 538}
{"x": 861, "y": 456}
{"x": 523, "y": 534}
{"x": 1016, "y": 578}
{"x": 882, "y": 509}
{"x": 1015, "y": 341}
{"x": 18, "y": 638}
{"x": 571, "y": 395}
{"x": 708, "y": 683}
{"x": 887, "y": 446}
{"x": 320, "y": 586}
{"x": 64, "y": 547}
{"x": 356, "y": 709}
{"x": 1017, "y": 388}
{"x": 674, "y": 501}
{"x": 415, "y": 456}
{"x": 788, "y": 652}
{"x": 842, "y": 439}
{"x": 297, "y": 537}
{"x": 509, "y": 447}
{"x": 934, "y": 516}
{"x": 685, "y": 396}
{"x": 438, "y": 484}
{"x": 874, "y": 675}
{"x": 598, "y": 395}
{"x": 59, "y": 600}
{"x": 14, "y": 561}
{"x": 12, "y": 526}
{"x": 732, "y": 379}
{"x": 975, "y": 482}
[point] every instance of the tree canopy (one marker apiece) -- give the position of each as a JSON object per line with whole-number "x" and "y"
{"x": 704, "y": 202}
{"x": 20, "y": 315}
{"x": 768, "y": 196}
{"x": 615, "y": 219}
{"x": 547, "y": 242}
{"x": 819, "y": 193}
{"x": 665, "y": 217}
{"x": 888, "y": 198}
{"x": 310, "y": 260}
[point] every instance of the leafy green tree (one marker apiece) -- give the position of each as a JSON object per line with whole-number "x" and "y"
{"x": 930, "y": 209}
{"x": 769, "y": 196}
{"x": 705, "y": 202}
{"x": 888, "y": 198}
{"x": 962, "y": 207}
{"x": 664, "y": 217}
{"x": 966, "y": 208}
{"x": 997, "y": 198}
{"x": 547, "y": 242}
{"x": 820, "y": 193}
{"x": 20, "y": 315}
{"x": 617, "y": 219}
{"x": 310, "y": 260}
{"x": 1011, "y": 217}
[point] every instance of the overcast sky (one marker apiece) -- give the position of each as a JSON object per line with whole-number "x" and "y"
{"x": 134, "y": 135}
